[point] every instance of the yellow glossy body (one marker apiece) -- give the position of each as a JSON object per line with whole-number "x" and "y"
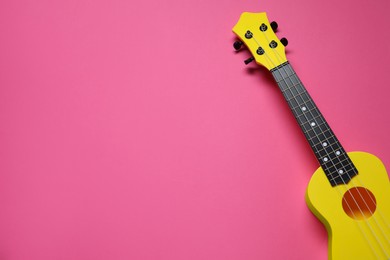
{"x": 351, "y": 239}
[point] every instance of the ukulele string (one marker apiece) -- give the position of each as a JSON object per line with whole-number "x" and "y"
{"x": 373, "y": 201}
{"x": 284, "y": 79}
{"x": 372, "y": 214}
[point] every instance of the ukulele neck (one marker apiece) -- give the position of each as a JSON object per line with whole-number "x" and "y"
{"x": 332, "y": 157}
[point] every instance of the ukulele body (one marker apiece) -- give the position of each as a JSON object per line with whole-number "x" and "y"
{"x": 354, "y": 236}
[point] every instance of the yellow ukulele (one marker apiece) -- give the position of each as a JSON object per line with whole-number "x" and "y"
{"x": 350, "y": 192}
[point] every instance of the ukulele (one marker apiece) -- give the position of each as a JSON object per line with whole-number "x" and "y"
{"x": 350, "y": 192}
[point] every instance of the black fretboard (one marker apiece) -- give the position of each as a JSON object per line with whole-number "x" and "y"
{"x": 333, "y": 159}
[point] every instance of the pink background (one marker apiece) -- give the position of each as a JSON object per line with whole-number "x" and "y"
{"x": 132, "y": 130}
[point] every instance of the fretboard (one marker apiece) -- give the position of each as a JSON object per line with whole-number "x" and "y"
{"x": 332, "y": 157}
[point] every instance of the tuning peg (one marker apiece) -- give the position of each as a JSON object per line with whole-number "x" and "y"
{"x": 237, "y": 45}
{"x": 274, "y": 26}
{"x": 284, "y": 41}
{"x": 249, "y": 60}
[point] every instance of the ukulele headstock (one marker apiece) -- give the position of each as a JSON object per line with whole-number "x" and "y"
{"x": 258, "y": 34}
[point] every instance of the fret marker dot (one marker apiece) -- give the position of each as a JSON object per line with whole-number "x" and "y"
{"x": 324, "y": 144}
{"x": 303, "y": 108}
{"x": 326, "y": 159}
{"x": 312, "y": 124}
{"x": 338, "y": 153}
{"x": 341, "y": 171}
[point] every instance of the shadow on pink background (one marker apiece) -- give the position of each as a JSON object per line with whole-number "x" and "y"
{"x": 132, "y": 130}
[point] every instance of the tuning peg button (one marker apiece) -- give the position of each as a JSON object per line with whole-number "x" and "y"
{"x": 237, "y": 45}
{"x": 284, "y": 41}
{"x": 274, "y": 26}
{"x": 249, "y": 60}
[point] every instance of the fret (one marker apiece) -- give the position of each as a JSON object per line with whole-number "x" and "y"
{"x": 335, "y": 162}
{"x": 331, "y": 143}
{"x": 295, "y": 89}
{"x": 298, "y": 111}
{"x": 294, "y": 79}
{"x": 338, "y": 159}
{"x": 311, "y": 136}
{"x": 338, "y": 164}
{"x": 281, "y": 75}
{"x": 347, "y": 175}
{"x": 307, "y": 118}
{"x": 342, "y": 179}
{"x": 329, "y": 148}
{"x": 324, "y": 128}
{"x": 317, "y": 141}
{"x": 301, "y": 97}
{"x": 345, "y": 162}
{"x": 294, "y": 104}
